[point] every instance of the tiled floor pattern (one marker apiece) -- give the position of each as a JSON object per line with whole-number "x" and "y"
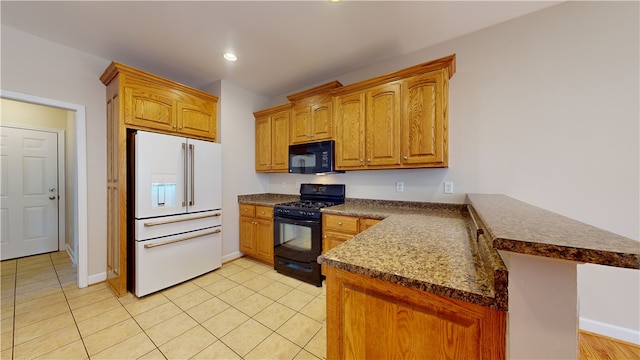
{"x": 244, "y": 310}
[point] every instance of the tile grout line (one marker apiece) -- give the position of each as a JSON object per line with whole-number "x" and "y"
{"x": 70, "y": 310}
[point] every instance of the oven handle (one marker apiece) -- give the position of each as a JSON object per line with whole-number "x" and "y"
{"x": 294, "y": 221}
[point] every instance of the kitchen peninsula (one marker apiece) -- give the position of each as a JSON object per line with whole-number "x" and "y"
{"x": 436, "y": 270}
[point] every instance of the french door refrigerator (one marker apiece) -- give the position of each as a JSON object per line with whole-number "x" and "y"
{"x": 178, "y": 210}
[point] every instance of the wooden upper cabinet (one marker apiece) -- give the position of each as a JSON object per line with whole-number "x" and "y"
{"x": 368, "y": 128}
{"x": 395, "y": 121}
{"x": 382, "y": 130}
{"x": 312, "y": 114}
{"x": 424, "y": 121}
{"x": 153, "y": 103}
{"x": 272, "y": 139}
{"x": 350, "y": 130}
{"x": 196, "y": 117}
{"x": 148, "y": 106}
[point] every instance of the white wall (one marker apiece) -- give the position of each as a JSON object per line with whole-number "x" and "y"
{"x": 236, "y": 126}
{"x": 543, "y": 108}
{"x": 37, "y": 67}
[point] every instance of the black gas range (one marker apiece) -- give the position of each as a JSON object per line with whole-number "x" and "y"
{"x": 298, "y": 231}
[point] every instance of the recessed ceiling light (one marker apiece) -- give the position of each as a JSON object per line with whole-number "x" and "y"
{"x": 230, "y": 57}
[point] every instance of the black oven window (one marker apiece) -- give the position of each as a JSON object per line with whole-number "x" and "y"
{"x": 295, "y": 236}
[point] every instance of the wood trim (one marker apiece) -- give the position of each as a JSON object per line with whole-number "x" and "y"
{"x": 447, "y": 62}
{"x": 314, "y": 91}
{"x": 115, "y": 68}
{"x": 272, "y": 110}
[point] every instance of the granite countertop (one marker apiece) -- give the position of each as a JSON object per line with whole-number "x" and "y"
{"x": 267, "y": 199}
{"x": 515, "y": 226}
{"x": 426, "y": 246}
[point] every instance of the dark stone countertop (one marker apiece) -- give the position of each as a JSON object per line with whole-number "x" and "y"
{"x": 516, "y": 226}
{"x": 426, "y": 246}
{"x": 268, "y": 199}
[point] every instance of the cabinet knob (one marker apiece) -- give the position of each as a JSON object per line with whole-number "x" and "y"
{"x": 340, "y": 223}
{"x": 361, "y": 160}
{"x": 368, "y": 160}
{"x": 174, "y": 127}
{"x": 405, "y": 157}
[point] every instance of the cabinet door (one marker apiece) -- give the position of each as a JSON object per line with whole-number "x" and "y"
{"x": 149, "y": 106}
{"x": 383, "y": 125}
{"x": 321, "y": 122}
{"x": 247, "y": 235}
{"x": 264, "y": 240}
{"x": 263, "y": 143}
{"x": 197, "y": 118}
{"x": 300, "y": 122}
{"x": 349, "y": 136}
{"x": 116, "y": 197}
{"x": 417, "y": 324}
{"x": 367, "y": 223}
{"x": 280, "y": 141}
{"x": 424, "y": 120}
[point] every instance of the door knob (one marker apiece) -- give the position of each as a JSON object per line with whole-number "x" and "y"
{"x": 52, "y": 197}
{"x": 52, "y": 189}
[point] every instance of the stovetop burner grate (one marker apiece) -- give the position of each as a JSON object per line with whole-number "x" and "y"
{"x": 309, "y": 204}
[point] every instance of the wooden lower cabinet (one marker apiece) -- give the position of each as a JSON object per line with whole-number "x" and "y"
{"x": 256, "y": 232}
{"x": 337, "y": 229}
{"x": 369, "y": 318}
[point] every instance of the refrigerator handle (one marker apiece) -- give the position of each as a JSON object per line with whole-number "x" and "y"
{"x": 193, "y": 183}
{"x": 184, "y": 163}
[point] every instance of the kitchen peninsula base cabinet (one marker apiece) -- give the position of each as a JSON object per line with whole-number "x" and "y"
{"x": 256, "y": 232}
{"x": 369, "y": 318}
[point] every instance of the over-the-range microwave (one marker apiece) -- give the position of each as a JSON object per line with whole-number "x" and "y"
{"x": 313, "y": 158}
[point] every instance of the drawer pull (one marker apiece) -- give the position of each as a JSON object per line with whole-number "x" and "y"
{"x": 149, "y": 224}
{"x": 149, "y": 246}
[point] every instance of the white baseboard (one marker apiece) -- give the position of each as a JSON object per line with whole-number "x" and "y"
{"x": 96, "y": 278}
{"x": 616, "y": 332}
{"x": 232, "y": 256}
{"x": 72, "y": 254}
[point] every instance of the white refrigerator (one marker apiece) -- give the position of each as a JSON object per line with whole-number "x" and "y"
{"x": 178, "y": 210}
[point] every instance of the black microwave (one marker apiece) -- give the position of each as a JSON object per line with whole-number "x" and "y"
{"x": 312, "y": 158}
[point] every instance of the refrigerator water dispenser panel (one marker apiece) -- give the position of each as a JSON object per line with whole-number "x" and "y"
{"x": 163, "y": 190}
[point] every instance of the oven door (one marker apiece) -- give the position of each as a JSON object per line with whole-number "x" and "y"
{"x": 299, "y": 240}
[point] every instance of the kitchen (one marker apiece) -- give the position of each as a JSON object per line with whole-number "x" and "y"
{"x": 492, "y": 143}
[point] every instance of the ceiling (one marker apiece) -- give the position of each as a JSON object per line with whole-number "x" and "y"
{"x": 281, "y": 46}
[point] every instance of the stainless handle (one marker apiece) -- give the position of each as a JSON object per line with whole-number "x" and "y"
{"x": 184, "y": 201}
{"x": 193, "y": 183}
{"x": 52, "y": 197}
{"x": 149, "y": 246}
{"x": 181, "y": 220}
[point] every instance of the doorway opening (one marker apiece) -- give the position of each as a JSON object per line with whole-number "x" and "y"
{"x": 80, "y": 205}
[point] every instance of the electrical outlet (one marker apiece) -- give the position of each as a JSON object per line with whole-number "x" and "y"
{"x": 399, "y": 186}
{"x": 448, "y": 187}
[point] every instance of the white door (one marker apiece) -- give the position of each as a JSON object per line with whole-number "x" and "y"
{"x": 29, "y": 192}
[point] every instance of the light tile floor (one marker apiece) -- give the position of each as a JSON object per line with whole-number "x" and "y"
{"x": 244, "y": 310}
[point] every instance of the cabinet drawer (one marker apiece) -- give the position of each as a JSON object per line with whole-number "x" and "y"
{"x": 247, "y": 210}
{"x": 264, "y": 212}
{"x": 344, "y": 224}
